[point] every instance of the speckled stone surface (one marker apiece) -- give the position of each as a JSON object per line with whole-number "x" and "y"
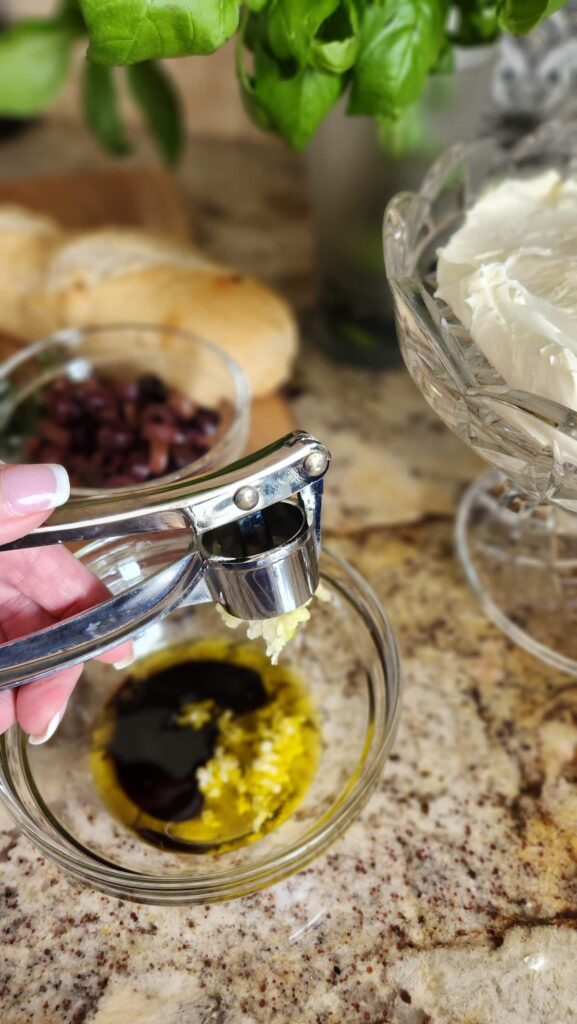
{"x": 453, "y": 898}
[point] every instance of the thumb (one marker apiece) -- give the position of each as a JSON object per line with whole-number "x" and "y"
{"x": 28, "y": 494}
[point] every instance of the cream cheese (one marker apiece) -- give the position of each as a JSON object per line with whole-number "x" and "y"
{"x": 510, "y": 275}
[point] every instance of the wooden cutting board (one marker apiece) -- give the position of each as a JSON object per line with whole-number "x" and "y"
{"x": 144, "y": 198}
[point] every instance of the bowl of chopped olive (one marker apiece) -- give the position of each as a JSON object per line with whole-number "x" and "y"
{"x": 206, "y": 770}
{"x": 123, "y": 405}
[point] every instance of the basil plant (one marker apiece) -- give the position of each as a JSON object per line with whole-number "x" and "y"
{"x": 295, "y": 58}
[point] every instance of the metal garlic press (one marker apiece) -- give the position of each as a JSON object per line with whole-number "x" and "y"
{"x": 254, "y": 547}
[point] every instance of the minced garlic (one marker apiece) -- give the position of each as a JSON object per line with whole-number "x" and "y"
{"x": 278, "y": 631}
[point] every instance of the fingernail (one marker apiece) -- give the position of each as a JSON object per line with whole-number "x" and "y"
{"x": 123, "y": 663}
{"x": 29, "y": 489}
{"x": 50, "y": 729}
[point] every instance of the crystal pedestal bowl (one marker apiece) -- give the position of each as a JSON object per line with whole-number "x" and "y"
{"x": 517, "y": 524}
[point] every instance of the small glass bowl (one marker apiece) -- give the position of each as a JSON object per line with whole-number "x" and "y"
{"x": 196, "y": 367}
{"x": 347, "y": 656}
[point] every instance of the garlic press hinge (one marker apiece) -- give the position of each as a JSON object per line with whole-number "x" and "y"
{"x": 273, "y": 474}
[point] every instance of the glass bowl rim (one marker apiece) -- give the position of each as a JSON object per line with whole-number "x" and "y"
{"x": 234, "y": 882}
{"x": 241, "y": 400}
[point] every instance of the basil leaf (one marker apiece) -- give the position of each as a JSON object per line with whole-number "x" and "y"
{"x": 400, "y": 41}
{"x": 69, "y": 11}
{"x": 335, "y": 46}
{"x": 130, "y": 31}
{"x": 478, "y": 23}
{"x": 101, "y": 108}
{"x": 293, "y": 24}
{"x": 157, "y": 97}
{"x": 295, "y": 100}
{"x": 519, "y": 16}
{"x": 445, "y": 62}
{"x": 255, "y": 5}
{"x": 250, "y": 39}
{"x": 34, "y": 63}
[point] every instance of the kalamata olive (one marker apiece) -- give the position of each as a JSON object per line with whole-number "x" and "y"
{"x": 32, "y": 446}
{"x": 158, "y": 432}
{"x": 51, "y": 453}
{"x": 54, "y": 433}
{"x": 139, "y": 469}
{"x": 129, "y": 411}
{"x": 183, "y": 406}
{"x": 195, "y": 437}
{"x": 181, "y": 456}
{"x": 207, "y": 420}
{"x": 155, "y": 412}
{"x": 158, "y": 459}
{"x": 114, "y": 434}
{"x": 128, "y": 391}
{"x": 96, "y": 400}
{"x": 151, "y": 388}
{"x": 82, "y": 438}
{"x": 64, "y": 410}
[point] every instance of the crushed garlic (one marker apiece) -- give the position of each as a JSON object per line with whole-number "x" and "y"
{"x": 278, "y": 631}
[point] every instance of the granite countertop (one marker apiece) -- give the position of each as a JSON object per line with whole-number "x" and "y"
{"x": 453, "y": 898}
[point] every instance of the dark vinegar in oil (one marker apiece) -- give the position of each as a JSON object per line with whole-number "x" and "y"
{"x": 205, "y": 746}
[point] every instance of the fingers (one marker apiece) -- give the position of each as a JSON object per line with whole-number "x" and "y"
{"x": 40, "y": 586}
{"x": 7, "y": 710}
{"x": 52, "y": 580}
{"x": 27, "y": 496}
{"x": 119, "y": 656}
{"x": 37, "y": 588}
{"x": 40, "y": 706}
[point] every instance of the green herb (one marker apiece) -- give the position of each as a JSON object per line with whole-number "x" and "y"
{"x": 129, "y": 31}
{"x": 336, "y": 43}
{"x": 478, "y": 23}
{"x": 519, "y": 17}
{"x": 101, "y": 108}
{"x": 291, "y": 26}
{"x": 291, "y": 100}
{"x": 34, "y": 62}
{"x": 157, "y": 98}
{"x": 295, "y": 58}
{"x": 400, "y": 41}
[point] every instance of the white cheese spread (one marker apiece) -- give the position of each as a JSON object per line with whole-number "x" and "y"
{"x": 509, "y": 273}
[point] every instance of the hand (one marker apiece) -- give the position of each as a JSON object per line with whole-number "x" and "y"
{"x": 38, "y": 587}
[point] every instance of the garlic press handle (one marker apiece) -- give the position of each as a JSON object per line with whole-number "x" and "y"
{"x": 106, "y": 625}
{"x": 256, "y": 481}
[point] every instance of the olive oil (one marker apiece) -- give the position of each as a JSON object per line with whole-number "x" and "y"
{"x": 205, "y": 746}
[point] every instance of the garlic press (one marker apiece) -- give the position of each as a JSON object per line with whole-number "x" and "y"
{"x": 252, "y": 544}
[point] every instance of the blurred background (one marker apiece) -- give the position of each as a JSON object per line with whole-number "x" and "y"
{"x": 353, "y": 164}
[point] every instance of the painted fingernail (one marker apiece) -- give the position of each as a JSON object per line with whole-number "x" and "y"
{"x": 123, "y": 663}
{"x": 50, "y": 729}
{"x": 29, "y": 489}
